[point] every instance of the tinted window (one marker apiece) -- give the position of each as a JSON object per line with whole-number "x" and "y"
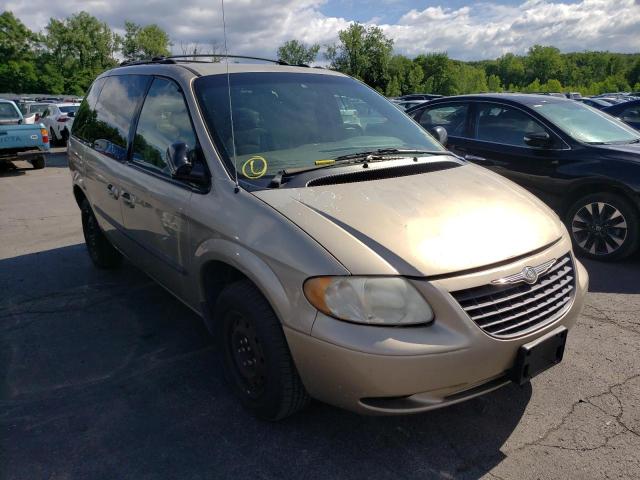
{"x": 86, "y": 112}
{"x": 69, "y": 109}
{"x": 452, "y": 117}
{"x": 502, "y": 124}
{"x": 631, "y": 114}
{"x": 117, "y": 104}
{"x": 164, "y": 120}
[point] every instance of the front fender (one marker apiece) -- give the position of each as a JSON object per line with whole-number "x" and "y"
{"x": 285, "y": 296}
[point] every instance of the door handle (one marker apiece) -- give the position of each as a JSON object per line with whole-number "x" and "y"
{"x": 128, "y": 199}
{"x": 113, "y": 191}
{"x": 474, "y": 158}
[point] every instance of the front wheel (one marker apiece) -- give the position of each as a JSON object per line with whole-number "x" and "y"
{"x": 256, "y": 359}
{"x": 603, "y": 226}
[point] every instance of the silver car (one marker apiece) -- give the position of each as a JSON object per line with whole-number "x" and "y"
{"x": 348, "y": 258}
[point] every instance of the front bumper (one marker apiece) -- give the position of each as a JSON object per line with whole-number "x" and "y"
{"x": 380, "y": 370}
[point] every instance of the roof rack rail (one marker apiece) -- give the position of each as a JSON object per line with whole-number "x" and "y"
{"x": 185, "y": 58}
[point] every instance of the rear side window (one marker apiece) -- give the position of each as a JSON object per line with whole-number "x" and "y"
{"x": 108, "y": 125}
{"x": 452, "y": 117}
{"x": 164, "y": 121}
{"x": 631, "y": 114}
{"x": 115, "y": 109}
{"x": 86, "y": 111}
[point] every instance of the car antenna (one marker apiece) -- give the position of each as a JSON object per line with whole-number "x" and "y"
{"x": 233, "y": 137}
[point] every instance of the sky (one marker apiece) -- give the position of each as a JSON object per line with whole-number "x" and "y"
{"x": 466, "y": 30}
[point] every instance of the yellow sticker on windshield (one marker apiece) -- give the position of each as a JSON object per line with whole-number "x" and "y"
{"x": 255, "y": 167}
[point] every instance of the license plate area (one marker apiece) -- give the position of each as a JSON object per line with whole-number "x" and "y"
{"x": 537, "y": 356}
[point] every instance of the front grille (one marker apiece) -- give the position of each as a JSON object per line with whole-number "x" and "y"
{"x": 508, "y": 310}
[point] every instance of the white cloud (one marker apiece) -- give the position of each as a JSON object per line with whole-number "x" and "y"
{"x": 479, "y": 30}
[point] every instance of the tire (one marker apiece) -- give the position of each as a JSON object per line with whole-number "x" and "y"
{"x": 54, "y": 140}
{"x": 102, "y": 253}
{"x": 603, "y": 226}
{"x": 38, "y": 163}
{"x": 65, "y": 138}
{"x": 256, "y": 360}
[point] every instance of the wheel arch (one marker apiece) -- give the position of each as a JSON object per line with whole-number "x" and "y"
{"x": 597, "y": 186}
{"x": 221, "y": 262}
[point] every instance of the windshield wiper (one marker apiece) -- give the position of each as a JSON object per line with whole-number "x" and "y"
{"x": 352, "y": 158}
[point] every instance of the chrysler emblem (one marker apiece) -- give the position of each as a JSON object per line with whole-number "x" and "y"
{"x": 528, "y": 274}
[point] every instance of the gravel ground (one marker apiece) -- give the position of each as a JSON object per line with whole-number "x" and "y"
{"x": 104, "y": 375}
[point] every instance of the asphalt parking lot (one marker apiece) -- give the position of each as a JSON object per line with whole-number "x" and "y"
{"x": 104, "y": 375}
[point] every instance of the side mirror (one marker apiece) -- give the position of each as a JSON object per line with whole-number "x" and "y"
{"x": 539, "y": 140}
{"x": 441, "y": 134}
{"x": 187, "y": 165}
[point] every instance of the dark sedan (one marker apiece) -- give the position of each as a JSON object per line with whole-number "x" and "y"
{"x": 595, "y": 102}
{"x": 585, "y": 164}
{"x": 628, "y": 112}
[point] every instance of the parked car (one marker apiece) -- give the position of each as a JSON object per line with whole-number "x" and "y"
{"x": 628, "y": 112}
{"x": 598, "y": 103}
{"x": 58, "y": 119}
{"x": 366, "y": 267}
{"x": 419, "y": 96}
{"x": 583, "y": 163}
{"x": 33, "y": 109}
{"x": 20, "y": 141}
{"x": 406, "y": 105}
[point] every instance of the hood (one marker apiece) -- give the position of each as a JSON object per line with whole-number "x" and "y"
{"x": 421, "y": 225}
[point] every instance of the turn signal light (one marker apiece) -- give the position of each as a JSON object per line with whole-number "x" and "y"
{"x": 45, "y": 135}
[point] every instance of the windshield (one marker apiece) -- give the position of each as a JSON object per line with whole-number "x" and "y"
{"x": 290, "y": 120}
{"x": 586, "y": 124}
{"x": 69, "y": 109}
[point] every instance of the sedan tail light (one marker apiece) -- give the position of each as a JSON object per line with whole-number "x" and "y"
{"x": 62, "y": 119}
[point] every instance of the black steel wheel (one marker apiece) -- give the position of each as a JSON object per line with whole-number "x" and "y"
{"x": 256, "y": 360}
{"x": 102, "y": 253}
{"x": 603, "y": 226}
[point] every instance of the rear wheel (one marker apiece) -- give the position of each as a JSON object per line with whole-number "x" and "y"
{"x": 102, "y": 253}
{"x": 603, "y": 226}
{"x": 256, "y": 359}
{"x": 38, "y": 163}
{"x": 54, "y": 139}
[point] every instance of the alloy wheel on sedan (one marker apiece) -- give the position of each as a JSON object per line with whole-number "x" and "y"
{"x": 599, "y": 228}
{"x": 603, "y": 226}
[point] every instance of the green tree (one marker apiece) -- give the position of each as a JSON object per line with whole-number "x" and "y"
{"x": 80, "y": 47}
{"x": 18, "y": 72}
{"x": 510, "y": 69}
{"x": 552, "y": 86}
{"x": 297, "y": 53}
{"x": 438, "y": 72}
{"x": 544, "y": 63}
{"x": 363, "y": 52}
{"x": 494, "y": 84}
{"x": 393, "y": 88}
{"x": 144, "y": 42}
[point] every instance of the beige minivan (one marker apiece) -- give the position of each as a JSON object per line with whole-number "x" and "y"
{"x": 333, "y": 247}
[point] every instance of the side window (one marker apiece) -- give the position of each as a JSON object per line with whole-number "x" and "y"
{"x": 502, "y": 124}
{"x": 451, "y": 116}
{"x": 164, "y": 120}
{"x": 45, "y": 113}
{"x": 631, "y": 114}
{"x": 117, "y": 104}
{"x": 86, "y": 112}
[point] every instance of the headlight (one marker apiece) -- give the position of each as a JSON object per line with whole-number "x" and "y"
{"x": 371, "y": 300}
